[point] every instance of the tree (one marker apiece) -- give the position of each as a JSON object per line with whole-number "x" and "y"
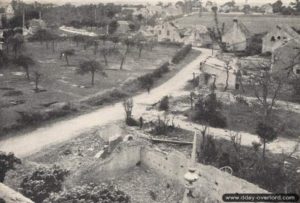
{"x": 217, "y": 33}
{"x": 42, "y": 182}
{"x": 67, "y": 53}
{"x": 17, "y": 42}
{"x": 266, "y": 134}
{"x": 90, "y": 193}
{"x": 112, "y": 27}
{"x": 146, "y": 82}
{"x": 106, "y": 51}
{"x": 277, "y": 6}
{"x": 128, "y": 106}
{"x": 296, "y": 6}
{"x": 128, "y": 42}
{"x": 25, "y": 62}
{"x": 7, "y": 162}
{"x": 78, "y": 39}
{"x": 208, "y": 110}
{"x": 91, "y": 66}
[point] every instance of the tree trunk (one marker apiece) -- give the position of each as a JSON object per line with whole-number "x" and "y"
{"x": 53, "y": 46}
{"x": 93, "y": 78}
{"x": 264, "y": 148}
{"x": 122, "y": 62}
{"x": 140, "y": 52}
{"x": 105, "y": 59}
{"x": 67, "y": 60}
{"x": 27, "y": 72}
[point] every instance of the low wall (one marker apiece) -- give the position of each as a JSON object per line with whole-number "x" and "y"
{"x": 11, "y": 196}
{"x": 173, "y": 165}
{"x": 116, "y": 164}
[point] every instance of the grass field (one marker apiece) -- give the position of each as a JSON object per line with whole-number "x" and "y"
{"x": 255, "y": 23}
{"x": 61, "y": 82}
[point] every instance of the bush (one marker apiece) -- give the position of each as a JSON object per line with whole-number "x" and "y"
{"x": 162, "y": 127}
{"x": 181, "y": 54}
{"x": 157, "y": 73}
{"x": 90, "y": 193}
{"x": 209, "y": 110}
{"x": 164, "y": 104}
{"x": 146, "y": 81}
{"x": 43, "y": 182}
{"x": 7, "y": 162}
{"x": 132, "y": 122}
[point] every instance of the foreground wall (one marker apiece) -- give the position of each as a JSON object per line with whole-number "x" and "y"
{"x": 11, "y": 196}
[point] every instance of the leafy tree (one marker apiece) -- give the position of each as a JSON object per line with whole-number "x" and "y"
{"x": 112, "y": 27}
{"x": 91, "y": 66}
{"x": 7, "y": 162}
{"x": 266, "y": 134}
{"x": 67, "y": 53}
{"x": 277, "y": 6}
{"x": 216, "y": 33}
{"x": 296, "y": 6}
{"x": 164, "y": 104}
{"x": 208, "y": 110}
{"x": 42, "y": 182}
{"x": 146, "y": 82}
{"x": 25, "y": 62}
{"x": 90, "y": 193}
{"x": 106, "y": 51}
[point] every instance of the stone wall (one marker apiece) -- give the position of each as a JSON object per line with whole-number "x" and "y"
{"x": 11, "y": 196}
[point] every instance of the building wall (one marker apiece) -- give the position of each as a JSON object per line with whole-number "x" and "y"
{"x": 221, "y": 76}
{"x": 173, "y": 165}
{"x": 285, "y": 57}
{"x": 166, "y": 31}
{"x": 274, "y": 39}
{"x": 235, "y": 39}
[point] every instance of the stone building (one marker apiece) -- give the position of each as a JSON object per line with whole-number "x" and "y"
{"x": 277, "y": 37}
{"x": 238, "y": 37}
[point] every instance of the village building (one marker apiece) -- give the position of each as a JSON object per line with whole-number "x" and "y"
{"x": 209, "y": 5}
{"x": 197, "y": 36}
{"x": 267, "y": 9}
{"x": 286, "y": 58}
{"x": 168, "y": 31}
{"x": 35, "y": 25}
{"x": 123, "y": 27}
{"x": 277, "y": 37}
{"x": 214, "y": 71}
{"x": 238, "y": 37}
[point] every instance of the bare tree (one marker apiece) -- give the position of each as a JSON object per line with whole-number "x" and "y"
{"x": 128, "y": 106}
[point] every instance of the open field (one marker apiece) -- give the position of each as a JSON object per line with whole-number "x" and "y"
{"x": 61, "y": 83}
{"x": 255, "y": 23}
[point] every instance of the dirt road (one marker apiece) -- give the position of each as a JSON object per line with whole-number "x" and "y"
{"x": 29, "y": 143}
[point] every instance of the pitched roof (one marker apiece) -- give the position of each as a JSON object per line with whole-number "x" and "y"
{"x": 290, "y": 31}
{"x": 244, "y": 29}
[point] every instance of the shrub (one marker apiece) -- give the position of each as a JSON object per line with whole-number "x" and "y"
{"x": 43, "y": 182}
{"x": 209, "y": 110}
{"x": 7, "y": 162}
{"x": 90, "y": 193}
{"x": 157, "y": 73}
{"x": 13, "y": 93}
{"x": 132, "y": 122}
{"x": 164, "y": 104}
{"x": 181, "y": 54}
{"x": 162, "y": 127}
{"x": 146, "y": 81}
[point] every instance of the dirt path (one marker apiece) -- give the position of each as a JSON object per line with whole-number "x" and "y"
{"x": 29, "y": 143}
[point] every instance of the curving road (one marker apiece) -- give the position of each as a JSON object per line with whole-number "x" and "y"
{"x": 29, "y": 143}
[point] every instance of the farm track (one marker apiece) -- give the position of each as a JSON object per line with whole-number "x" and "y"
{"x": 32, "y": 142}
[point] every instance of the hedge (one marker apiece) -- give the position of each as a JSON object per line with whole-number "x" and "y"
{"x": 181, "y": 54}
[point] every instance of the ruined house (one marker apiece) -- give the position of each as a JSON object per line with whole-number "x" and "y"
{"x": 197, "y": 36}
{"x": 238, "y": 37}
{"x": 168, "y": 31}
{"x": 278, "y": 37}
{"x": 214, "y": 71}
{"x": 286, "y": 58}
